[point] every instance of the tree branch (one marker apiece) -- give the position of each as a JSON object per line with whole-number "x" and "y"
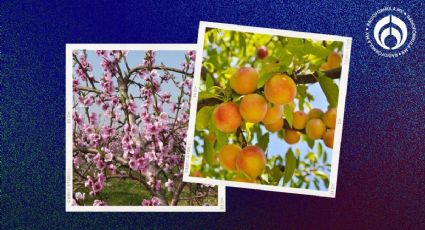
{"x": 89, "y": 89}
{"x": 139, "y": 68}
{"x": 312, "y": 78}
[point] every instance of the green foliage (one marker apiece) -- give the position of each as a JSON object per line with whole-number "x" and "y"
{"x": 290, "y": 165}
{"x": 330, "y": 89}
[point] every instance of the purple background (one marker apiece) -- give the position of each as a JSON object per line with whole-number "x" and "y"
{"x": 381, "y": 181}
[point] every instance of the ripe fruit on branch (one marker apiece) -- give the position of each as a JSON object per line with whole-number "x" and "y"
{"x": 278, "y": 125}
{"x": 329, "y": 118}
{"x": 227, "y": 156}
{"x": 210, "y": 137}
{"x": 299, "y": 120}
{"x": 291, "y": 136}
{"x": 315, "y": 128}
{"x": 226, "y": 117}
{"x": 196, "y": 174}
{"x": 262, "y": 52}
{"x": 315, "y": 113}
{"x": 253, "y": 108}
{"x": 274, "y": 113}
{"x": 280, "y": 89}
{"x": 244, "y": 179}
{"x": 244, "y": 80}
{"x": 251, "y": 161}
{"x": 334, "y": 60}
{"x": 328, "y": 138}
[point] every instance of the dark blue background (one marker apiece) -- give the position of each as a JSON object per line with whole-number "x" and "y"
{"x": 381, "y": 181}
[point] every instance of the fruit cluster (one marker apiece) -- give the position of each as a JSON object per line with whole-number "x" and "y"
{"x": 267, "y": 106}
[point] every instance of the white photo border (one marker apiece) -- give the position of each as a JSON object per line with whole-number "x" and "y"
{"x": 331, "y": 193}
{"x": 221, "y": 206}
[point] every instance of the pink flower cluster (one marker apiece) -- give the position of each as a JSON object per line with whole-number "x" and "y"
{"x": 155, "y": 140}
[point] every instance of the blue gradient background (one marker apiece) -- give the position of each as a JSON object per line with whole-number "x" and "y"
{"x": 381, "y": 181}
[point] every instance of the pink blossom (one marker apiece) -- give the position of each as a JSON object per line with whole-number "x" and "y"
{"x": 80, "y": 196}
{"x": 169, "y": 185}
{"x": 99, "y": 203}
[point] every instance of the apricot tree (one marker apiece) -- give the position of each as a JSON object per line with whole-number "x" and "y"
{"x": 259, "y": 92}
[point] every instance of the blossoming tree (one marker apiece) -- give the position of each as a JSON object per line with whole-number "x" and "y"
{"x": 128, "y": 130}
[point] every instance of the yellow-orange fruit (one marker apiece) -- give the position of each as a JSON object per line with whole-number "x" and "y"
{"x": 291, "y": 136}
{"x": 334, "y": 60}
{"x": 315, "y": 113}
{"x": 329, "y": 118}
{"x": 325, "y": 66}
{"x": 328, "y": 138}
{"x": 244, "y": 80}
{"x": 243, "y": 179}
{"x": 227, "y": 156}
{"x": 251, "y": 161}
{"x": 253, "y": 108}
{"x": 278, "y": 125}
{"x": 280, "y": 89}
{"x": 196, "y": 174}
{"x": 274, "y": 113}
{"x": 299, "y": 120}
{"x": 226, "y": 117}
{"x": 210, "y": 137}
{"x": 315, "y": 128}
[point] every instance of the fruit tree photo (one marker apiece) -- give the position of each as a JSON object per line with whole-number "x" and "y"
{"x": 130, "y": 112}
{"x": 266, "y": 109}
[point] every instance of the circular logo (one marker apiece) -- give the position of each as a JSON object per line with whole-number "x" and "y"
{"x": 390, "y": 32}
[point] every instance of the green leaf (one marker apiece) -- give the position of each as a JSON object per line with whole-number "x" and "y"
{"x": 311, "y": 157}
{"x": 319, "y": 150}
{"x": 209, "y": 152}
{"x": 222, "y": 139}
{"x": 320, "y": 174}
{"x": 203, "y": 117}
{"x": 211, "y": 37}
{"x": 288, "y": 114}
{"x": 316, "y": 183}
{"x": 249, "y": 130}
{"x": 309, "y": 141}
{"x": 263, "y": 141}
{"x": 290, "y": 164}
{"x": 263, "y": 79}
{"x": 210, "y": 67}
{"x": 209, "y": 82}
{"x": 330, "y": 89}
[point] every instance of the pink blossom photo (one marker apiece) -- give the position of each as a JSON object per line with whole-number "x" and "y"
{"x": 127, "y": 119}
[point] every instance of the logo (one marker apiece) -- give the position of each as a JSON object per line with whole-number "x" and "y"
{"x": 390, "y": 32}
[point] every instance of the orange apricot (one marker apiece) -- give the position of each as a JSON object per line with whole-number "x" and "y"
{"x": 196, "y": 174}
{"x": 324, "y": 67}
{"x": 252, "y": 161}
{"x": 274, "y": 127}
{"x": 253, "y": 108}
{"x": 227, "y": 156}
{"x": 274, "y": 113}
{"x": 315, "y": 113}
{"x": 244, "y": 179}
{"x": 328, "y": 138}
{"x": 291, "y": 136}
{"x": 299, "y": 120}
{"x": 334, "y": 60}
{"x": 315, "y": 128}
{"x": 329, "y": 118}
{"x": 226, "y": 117}
{"x": 280, "y": 89}
{"x": 244, "y": 80}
